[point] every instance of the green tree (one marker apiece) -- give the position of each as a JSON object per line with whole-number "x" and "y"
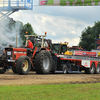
{"x": 26, "y": 28}
{"x": 89, "y": 35}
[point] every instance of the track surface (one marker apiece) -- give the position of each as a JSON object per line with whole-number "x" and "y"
{"x": 9, "y": 78}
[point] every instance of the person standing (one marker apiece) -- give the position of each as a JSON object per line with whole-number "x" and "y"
{"x": 98, "y": 47}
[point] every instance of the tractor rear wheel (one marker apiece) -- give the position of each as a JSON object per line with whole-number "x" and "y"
{"x": 43, "y": 62}
{"x": 2, "y": 70}
{"x": 23, "y": 65}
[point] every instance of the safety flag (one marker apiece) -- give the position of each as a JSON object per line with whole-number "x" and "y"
{"x": 69, "y": 2}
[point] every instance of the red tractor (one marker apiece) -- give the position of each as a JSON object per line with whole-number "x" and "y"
{"x": 22, "y": 60}
{"x": 73, "y": 48}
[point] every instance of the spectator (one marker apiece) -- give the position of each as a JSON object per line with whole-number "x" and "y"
{"x": 98, "y": 47}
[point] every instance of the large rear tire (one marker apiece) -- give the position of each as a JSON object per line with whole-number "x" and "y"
{"x": 43, "y": 62}
{"x": 90, "y": 70}
{"x": 97, "y": 70}
{"x": 2, "y": 70}
{"x": 23, "y": 65}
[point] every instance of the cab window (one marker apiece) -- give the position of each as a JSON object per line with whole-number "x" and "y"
{"x": 63, "y": 49}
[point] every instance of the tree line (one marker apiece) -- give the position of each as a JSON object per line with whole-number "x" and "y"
{"x": 89, "y": 36}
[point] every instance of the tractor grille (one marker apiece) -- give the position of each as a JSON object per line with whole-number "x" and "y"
{"x": 9, "y": 55}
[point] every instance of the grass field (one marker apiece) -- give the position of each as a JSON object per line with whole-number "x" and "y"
{"x": 51, "y": 92}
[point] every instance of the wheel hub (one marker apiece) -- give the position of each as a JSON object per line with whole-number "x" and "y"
{"x": 46, "y": 63}
{"x": 25, "y": 65}
{"x": 65, "y": 71}
{"x": 1, "y": 68}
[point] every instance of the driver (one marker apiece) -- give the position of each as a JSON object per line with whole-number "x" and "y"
{"x": 30, "y": 44}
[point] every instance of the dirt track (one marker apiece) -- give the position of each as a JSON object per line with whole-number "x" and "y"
{"x": 9, "y": 78}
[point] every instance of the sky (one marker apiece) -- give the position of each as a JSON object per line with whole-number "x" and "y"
{"x": 62, "y": 23}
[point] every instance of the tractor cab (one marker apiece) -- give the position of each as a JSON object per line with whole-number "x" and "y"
{"x": 36, "y": 39}
{"x": 39, "y": 41}
{"x": 59, "y": 48}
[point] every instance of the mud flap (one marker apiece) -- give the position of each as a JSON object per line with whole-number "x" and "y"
{"x": 85, "y": 63}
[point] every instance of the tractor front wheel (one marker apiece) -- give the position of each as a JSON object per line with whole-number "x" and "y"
{"x": 2, "y": 70}
{"x": 23, "y": 65}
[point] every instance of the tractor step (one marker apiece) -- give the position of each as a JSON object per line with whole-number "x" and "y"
{"x": 74, "y": 72}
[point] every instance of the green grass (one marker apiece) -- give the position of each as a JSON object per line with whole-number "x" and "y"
{"x": 51, "y": 92}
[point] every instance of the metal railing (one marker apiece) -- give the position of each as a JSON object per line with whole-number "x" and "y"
{"x": 16, "y": 4}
